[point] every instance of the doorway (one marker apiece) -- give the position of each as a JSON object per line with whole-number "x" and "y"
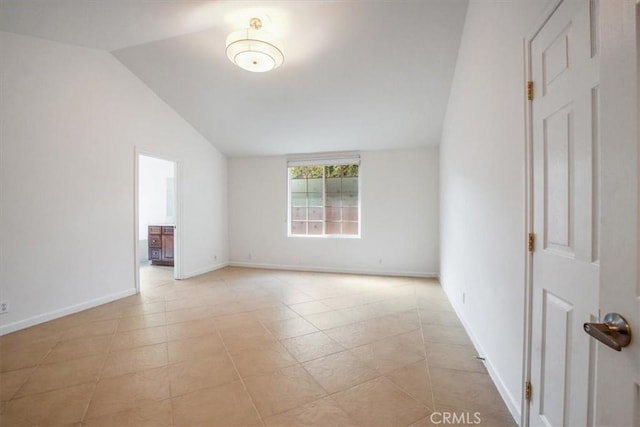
{"x": 156, "y": 218}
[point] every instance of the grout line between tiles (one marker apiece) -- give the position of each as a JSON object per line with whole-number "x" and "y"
{"x": 426, "y": 360}
{"x": 240, "y": 377}
{"x": 104, "y": 363}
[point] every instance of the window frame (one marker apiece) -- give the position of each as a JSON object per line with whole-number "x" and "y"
{"x": 324, "y": 160}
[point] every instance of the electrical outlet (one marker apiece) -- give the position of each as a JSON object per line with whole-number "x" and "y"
{"x": 4, "y": 307}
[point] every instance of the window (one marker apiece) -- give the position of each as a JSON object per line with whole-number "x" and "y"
{"x": 324, "y": 198}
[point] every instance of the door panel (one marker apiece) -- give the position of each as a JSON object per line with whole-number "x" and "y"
{"x": 556, "y": 336}
{"x": 565, "y": 278}
{"x": 558, "y": 181}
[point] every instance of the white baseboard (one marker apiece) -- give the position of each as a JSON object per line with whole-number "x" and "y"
{"x": 204, "y": 270}
{"x": 367, "y": 271}
{"x": 513, "y": 404}
{"x": 35, "y": 320}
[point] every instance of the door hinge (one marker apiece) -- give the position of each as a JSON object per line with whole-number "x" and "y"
{"x": 530, "y": 90}
{"x": 528, "y": 390}
{"x": 531, "y": 242}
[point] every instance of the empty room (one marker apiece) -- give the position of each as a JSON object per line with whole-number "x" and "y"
{"x": 319, "y": 213}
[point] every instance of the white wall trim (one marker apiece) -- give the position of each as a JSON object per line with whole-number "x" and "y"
{"x": 513, "y": 403}
{"x": 55, "y": 314}
{"x": 204, "y": 270}
{"x": 367, "y": 271}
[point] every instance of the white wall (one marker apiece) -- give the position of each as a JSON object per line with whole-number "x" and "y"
{"x": 399, "y": 199}
{"x": 482, "y": 187}
{"x": 71, "y": 118}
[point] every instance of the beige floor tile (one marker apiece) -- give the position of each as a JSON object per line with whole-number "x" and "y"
{"x": 262, "y": 360}
{"x": 400, "y": 304}
{"x": 275, "y": 314}
{"x": 362, "y": 312}
{"x": 463, "y": 389}
{"x": 156, "y": 414}
{"x": 91, "y": 329}
{"x": 445, "y": 335}
{"x": 329, "y": 320}
{"x": 414, "y": 380}
{"x": 453, "y": 356}
{"x": 78, "y": 348}
{"x": 353, "y": 335}
{"x": 122, "y": 362}
{"x": 291, "y": 328}
{"x": 45, "y": 332}
{"x": 141, "y": 322}
{"x": 321, "y": 413}
{"x": 187, "y": 314}
{"x": 339, "y": 371}
{"x": 207, "y": 372}
{"x": 236, "y": 340}
{"x": 25, "y": 356}
{"x": 183, "y": 303}
{"x": 344, "y": 302}
{"x": 62, "y": 374}
{"x": 311, "y": 346}
{"x": 312, "y": 307}
{"x": 143, "y": 309}
{"x": 237, "y": 322}
{"x": 99, "y": 313}
{"x": 130, "y": 391}
{"x": 386, "y": 327}
{"x": 391, "y": 353}
{"x": 167, "y": 348}
{"x": 57, "y": 407}
{"x": 434, "y": 304}
{"x": 10, "y": 382}
{"x": 439, "y": 317}
{"x": 295, "y": 297}
{"x": 379, "y": 402}
{"x": 228, "y": 405}
{"x": 190, "y": 329}
{"x": 194, "y": 348}
{"x": 282, "y": 391}
{"x": 139, "y": 338}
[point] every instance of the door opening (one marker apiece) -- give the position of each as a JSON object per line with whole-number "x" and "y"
{"x": 156, "y": 218}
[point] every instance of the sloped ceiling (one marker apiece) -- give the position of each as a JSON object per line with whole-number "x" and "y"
{"x": 358, "y": 75}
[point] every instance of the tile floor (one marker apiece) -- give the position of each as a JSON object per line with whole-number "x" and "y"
{"x": 243, "y": 347}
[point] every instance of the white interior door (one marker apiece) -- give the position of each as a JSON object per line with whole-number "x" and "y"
{"x": 565, "y": 269}
{"x": 586, "y": 216}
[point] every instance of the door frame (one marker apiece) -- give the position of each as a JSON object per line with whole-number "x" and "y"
{"x": 177, "y": 234}
{"x": 542, "y": 19}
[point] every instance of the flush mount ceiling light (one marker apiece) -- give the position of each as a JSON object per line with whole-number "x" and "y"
{"x": 254, "y": 49}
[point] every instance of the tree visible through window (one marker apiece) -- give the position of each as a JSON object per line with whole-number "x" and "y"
{"x": 324, "y": 200}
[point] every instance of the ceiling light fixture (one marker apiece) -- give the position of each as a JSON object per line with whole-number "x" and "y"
{"x": 254, "y": 49}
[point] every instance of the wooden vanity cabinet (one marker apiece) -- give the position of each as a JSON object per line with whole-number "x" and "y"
{"x": 161, "y": 244}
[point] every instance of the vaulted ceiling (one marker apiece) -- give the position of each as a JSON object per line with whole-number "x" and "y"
{"x": 358, "y": 74}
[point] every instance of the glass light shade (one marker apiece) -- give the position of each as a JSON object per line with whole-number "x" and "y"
{"x": 254, "y": 50}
